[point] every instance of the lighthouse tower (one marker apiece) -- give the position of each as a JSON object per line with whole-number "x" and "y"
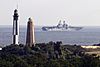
{"x": 30, "y": 38}
{"x": 15, "y": 27}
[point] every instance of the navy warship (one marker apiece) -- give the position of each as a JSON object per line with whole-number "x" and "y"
{"x": 61, "y": 27}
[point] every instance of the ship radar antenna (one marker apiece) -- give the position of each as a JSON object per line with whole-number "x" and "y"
{"x": 59, "y": 21}
{"x": 64, "y": 22}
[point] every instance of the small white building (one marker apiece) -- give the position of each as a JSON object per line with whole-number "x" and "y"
{"x": 0, "y": 48}
{"x": 93, "y": 47}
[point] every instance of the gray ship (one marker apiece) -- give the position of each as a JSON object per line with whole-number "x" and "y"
{"x": 61, "y": 27}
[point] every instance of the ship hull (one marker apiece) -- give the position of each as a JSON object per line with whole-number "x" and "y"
{"x": 61, "y": 29}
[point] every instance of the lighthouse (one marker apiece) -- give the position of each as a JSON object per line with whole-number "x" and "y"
{"x": 15, "y": 27}
{"x": 30, "y": 38}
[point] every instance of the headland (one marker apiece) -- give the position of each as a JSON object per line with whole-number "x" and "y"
{"x": 52, "y": 54}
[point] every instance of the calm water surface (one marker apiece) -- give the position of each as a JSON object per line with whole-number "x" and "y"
{"x": 86, "y": 36}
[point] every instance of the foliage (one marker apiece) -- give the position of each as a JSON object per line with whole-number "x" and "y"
{"x": 43, "y": 55}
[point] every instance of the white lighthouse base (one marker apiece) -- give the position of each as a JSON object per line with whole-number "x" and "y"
{"x": 15, "y": 39}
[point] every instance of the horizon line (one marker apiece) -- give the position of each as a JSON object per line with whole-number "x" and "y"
{"x": 53, "y": 25}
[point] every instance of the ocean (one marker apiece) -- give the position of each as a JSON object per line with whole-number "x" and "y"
{"x": 85, "y": 36}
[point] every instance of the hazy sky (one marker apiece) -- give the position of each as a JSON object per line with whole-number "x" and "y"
{"x": 49, "y": 12}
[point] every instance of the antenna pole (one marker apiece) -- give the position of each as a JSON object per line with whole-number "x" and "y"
{"x": 17, "y": 5}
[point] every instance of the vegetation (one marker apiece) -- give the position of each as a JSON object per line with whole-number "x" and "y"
{"x": 47, "y": 55}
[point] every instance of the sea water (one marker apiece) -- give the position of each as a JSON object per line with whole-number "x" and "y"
{"x": 85, "y": 36}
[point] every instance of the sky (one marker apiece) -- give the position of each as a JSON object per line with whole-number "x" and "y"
{"x": 49, "y": 12}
